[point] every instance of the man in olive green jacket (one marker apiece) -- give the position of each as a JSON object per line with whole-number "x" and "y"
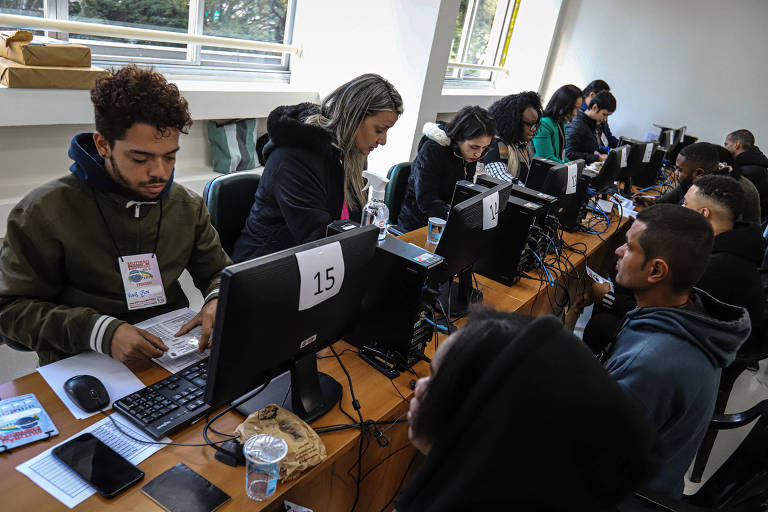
{"x": 79, "y": 249}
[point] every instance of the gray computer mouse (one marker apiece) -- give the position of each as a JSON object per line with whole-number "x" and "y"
{"x": 87, "y": 392}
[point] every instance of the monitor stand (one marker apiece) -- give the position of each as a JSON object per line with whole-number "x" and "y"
{"x": 456, "y": 299}
{"x": 302, "y": 390}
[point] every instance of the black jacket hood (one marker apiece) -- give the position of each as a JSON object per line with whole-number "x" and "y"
{"x": 88, "y": 166}
{"x": 286, "y": 126}
{"x": 545, "y": 428}
{"x": 744, "y": 240}
{"x": 752, "y": 156}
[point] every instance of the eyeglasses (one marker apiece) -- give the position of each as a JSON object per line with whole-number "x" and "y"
{"x": 532, "y": 126}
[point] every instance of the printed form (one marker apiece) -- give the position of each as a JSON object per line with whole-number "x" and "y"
{"x": 64, "y": 484}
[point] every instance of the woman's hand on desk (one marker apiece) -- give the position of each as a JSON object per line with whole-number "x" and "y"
{"x": 205, "y": 318}
{"x": 130, "y": 342}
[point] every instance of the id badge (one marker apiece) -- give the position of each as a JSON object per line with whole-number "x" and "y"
{"x": 604, "y": 139}
{"x": 142, "y": 282}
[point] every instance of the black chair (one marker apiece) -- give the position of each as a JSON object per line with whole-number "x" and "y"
{"x": 398, "y": 181}
{"x": 741, "y": 483}
{"x": 229, "y": 199}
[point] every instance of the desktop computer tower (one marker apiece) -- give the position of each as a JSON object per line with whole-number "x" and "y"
{"x": 502, "y": 264}
{"x": 572, "y": 208}
{"x": 392, "y": 330}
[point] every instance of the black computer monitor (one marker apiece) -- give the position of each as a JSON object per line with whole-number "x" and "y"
{"x": 469, "y": 231}
{"x": 276, "y": 311}
{"x": 617, "y": 160}
{"x": 548, "y": 176}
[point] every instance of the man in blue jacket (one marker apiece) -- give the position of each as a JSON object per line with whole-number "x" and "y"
{"x": 669, "y": 351}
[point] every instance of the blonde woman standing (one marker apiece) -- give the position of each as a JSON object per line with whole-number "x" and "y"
{"x": 314, "y": 162}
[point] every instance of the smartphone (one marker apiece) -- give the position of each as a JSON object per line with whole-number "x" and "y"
{"x": 106, "y": 470}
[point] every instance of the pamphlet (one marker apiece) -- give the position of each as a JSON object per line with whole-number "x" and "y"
{"x": 23, "y": 420}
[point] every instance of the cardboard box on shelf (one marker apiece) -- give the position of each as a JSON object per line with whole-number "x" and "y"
{"x": 25, "y": 48}
{"x": 15, "y": 75}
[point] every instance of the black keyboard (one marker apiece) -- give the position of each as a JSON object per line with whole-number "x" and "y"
{"x": 168, "y": 405}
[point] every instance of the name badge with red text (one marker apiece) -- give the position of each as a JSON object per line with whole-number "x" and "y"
{"x": 142, "y": 282}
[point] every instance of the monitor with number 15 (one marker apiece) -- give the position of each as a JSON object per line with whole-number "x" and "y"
{"x": 276, "y": 311}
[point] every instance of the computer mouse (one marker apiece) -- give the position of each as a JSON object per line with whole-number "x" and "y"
{"x": 87, "y": 392}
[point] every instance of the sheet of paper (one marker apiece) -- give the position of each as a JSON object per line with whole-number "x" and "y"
{"x": 321, "y": 274}
{"x": 164, "y": 327}
{"x": 605, "y": 205}
{"x": 64, "y": 484}
{"x": 648, "y": 152}
{"x": 115, "y": 376}
{"x": 624, "y": 155}
{"x": 573, "y": 179}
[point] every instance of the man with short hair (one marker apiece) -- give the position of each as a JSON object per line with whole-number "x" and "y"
{"x": 732, "y": 274}
{"x": 590, "y": 91}
{"x": 89, "y": 254}
{"x": 669, "y": 351}
{"x": 751, "y": 162}
{"x": 583, "y": 137}
{"x": 700, "y": 159}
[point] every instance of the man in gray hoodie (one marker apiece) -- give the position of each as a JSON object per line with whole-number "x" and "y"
{"x": 669, "y": 351}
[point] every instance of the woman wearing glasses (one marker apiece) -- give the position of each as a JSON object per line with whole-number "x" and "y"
{"x": 447, "y": 153}
{"x": 549, "y": 141}
{"x": 517, "y": 119}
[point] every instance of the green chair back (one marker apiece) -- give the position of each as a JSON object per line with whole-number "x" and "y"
{"x": 229, "y": 199}
{"x": 393, "y": 197}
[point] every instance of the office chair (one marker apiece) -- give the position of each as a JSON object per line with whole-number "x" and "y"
{"x": 740, "y": 484}
{"x": 398, "y": 180}
{"x": 229, "y": 199}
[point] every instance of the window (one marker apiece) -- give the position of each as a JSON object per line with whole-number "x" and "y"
{"x": 483, "y": 30}
{"x": 256, "y": 20}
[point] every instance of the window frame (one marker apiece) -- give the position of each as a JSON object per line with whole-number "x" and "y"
{"x": 194, "y": 61}
{"x": 500, "y": 32}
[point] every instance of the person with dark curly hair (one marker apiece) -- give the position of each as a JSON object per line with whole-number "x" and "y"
{"x": 517, "y": 119}
{"x": 89, "y": 254}
{"x": 549, "y": 141}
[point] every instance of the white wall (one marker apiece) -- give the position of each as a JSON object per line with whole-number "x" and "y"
{"x": 699, "y": 63}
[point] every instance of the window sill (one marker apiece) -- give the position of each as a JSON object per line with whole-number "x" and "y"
{"x": 451, "y": 100}
{"x": 208, "y": 99}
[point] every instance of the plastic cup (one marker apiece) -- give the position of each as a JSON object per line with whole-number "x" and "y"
{"x": 435, "y": 230}
{"x": 263, "y": 454}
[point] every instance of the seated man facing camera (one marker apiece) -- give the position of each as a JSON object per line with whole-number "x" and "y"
{"x": 75, "y": 246}
{"x": 669, "y": 351}
{"x": 519, "y": 415}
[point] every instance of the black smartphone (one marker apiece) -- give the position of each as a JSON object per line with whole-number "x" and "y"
{"x": 99, "y": 465}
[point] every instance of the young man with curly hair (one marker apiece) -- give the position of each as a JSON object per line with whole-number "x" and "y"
{"x": 89, "y": 254}
{"x": 517, "y": 119}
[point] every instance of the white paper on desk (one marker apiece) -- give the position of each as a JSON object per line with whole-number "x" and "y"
{"x": 115, "y": 376}
{"x": 605, "y": 205}
{"x": 164, "y": 327}
{"x": 65, "y": 485}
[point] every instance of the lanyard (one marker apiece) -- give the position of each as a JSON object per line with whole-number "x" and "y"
{"x": 112, "y": 237}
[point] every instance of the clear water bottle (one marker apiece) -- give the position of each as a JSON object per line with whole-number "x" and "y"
{"x": 375, "y": 210}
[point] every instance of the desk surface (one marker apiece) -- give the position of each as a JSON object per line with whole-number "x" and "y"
{"x": 328, "y": 487}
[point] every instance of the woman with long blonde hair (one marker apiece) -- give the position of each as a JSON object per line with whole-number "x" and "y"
{"x": 314, "y": 162}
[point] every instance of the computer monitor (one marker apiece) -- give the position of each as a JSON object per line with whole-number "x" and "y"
{"x": 617, "y": 160}
{"x": 639, "y": 157}
{"x": 276, "y": 311}
{"x": 548, "y": 176}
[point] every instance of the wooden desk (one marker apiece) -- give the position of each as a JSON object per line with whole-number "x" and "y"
{"x": 328, "y": 487}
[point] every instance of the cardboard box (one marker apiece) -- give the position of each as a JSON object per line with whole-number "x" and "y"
{"x": 22, "y": 47}
{"x": 13, "y": 74}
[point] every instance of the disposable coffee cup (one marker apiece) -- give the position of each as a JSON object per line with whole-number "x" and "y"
{"x": 435, "y": 230}
{"x": 263, "y": 454}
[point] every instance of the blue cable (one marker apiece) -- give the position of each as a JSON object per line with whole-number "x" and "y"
{"x": 550, "y": 281}
{"x": 436, "y": 326}
{"x": 607, "y": 220}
